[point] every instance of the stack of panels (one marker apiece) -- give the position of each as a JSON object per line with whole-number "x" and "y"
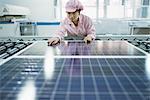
{"x": 75, "y": 78}
{"x": 7, "y": 49}
{"x": 143, "y": 45}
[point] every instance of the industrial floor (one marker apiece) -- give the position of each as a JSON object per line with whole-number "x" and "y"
{"x": 73, "y": 70}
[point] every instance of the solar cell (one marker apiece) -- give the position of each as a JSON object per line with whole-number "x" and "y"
{"x": 75, "y": 79}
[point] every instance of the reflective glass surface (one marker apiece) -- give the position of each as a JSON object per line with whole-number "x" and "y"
{"x": 96, "y": 48}
{"x": 75, "y": 79}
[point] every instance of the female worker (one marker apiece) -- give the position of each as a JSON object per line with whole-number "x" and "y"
{"x": 75, "y": 25}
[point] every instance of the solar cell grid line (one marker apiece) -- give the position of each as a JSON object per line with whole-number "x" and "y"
{"x": 70, "y": 48}
{"x": 135, "y": 65}
{"x": 94, "y": 81}
{"x": 11, "y": 94}
{"x": 85, "y": 48}
{"x": 69, "y": 82}
{"x": 52, "y": 97}
{"x": 10, "y": 79}
{"x": 110, "y": 89}
{"x": 42, "y": 86}
{"x": 5, "y": 68}
{"x": 76, "y": 49}
{"x": 105, "y": 79}
{"x": 137, "y": 90}
{"x": 79, "y": 48}
{"x": 41, "y": 89}
{"x": 96, "y": 70}
{"x": 76, "y": 80}
{"x": 135, "y": 74}
{"x": 115, "y": 76}
{"x": 132, "y": 62}
{"x": 76, "y": 46}
{"x": 82, "y": 82}
{"x": 133, "y": 70}
{"x": 139, "y": 60}
{"x": 81, "y": 51}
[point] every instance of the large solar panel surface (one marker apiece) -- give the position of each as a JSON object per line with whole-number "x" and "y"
{"x": 54, "y": 78}
{"x": 76, "y": 79}
{"x": 120, "y": 48}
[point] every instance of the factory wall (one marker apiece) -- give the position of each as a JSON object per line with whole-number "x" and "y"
{"x": 42, "y": 12}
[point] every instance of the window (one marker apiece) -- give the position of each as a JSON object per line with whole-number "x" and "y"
{"x": 89, "y": 8}
{"x": 115, "y": 9}
{"x": 101, "y": 8}
{"x": 97, "y": 9}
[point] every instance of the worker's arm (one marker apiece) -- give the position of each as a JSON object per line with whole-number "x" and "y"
{"x": 59, "y": 36}
{"x": 90, "y": 32}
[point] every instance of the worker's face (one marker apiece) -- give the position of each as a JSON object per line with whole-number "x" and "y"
{"x": 73, "y": 16}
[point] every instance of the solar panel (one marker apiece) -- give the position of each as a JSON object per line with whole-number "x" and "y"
{"x": 75, "y": 79}
{"x": 119, "y": 48}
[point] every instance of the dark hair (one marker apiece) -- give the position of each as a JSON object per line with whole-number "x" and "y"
{"x": 79, "y": 10}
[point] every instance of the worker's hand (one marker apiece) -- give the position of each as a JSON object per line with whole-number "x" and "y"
{"x": 53, "y": 41}
{"x": 88, "y": 39}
